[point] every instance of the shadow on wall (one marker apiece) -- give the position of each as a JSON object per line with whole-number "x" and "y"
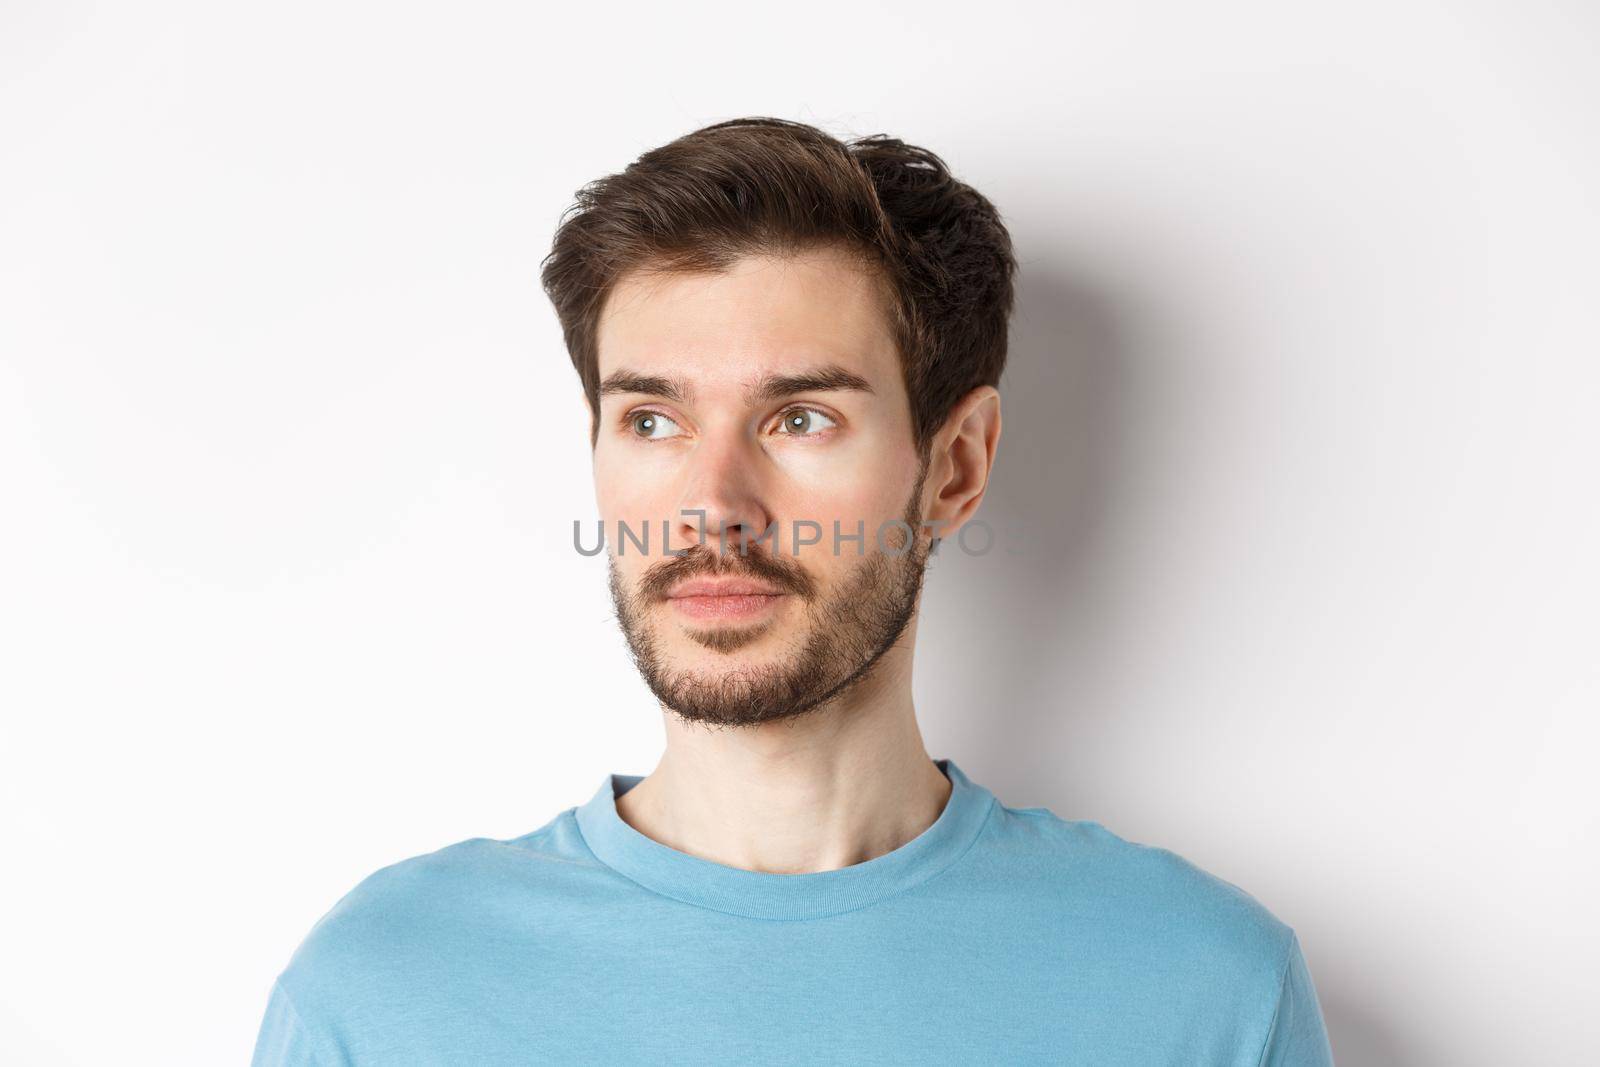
{"x": 1028, "y": 639}
{"x": 1026, "y": 614}
{"x": 1358, "y": 1039}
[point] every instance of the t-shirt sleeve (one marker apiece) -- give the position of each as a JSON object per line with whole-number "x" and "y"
{"x": 284, "y": 1039}
{"x": 1298, "y": 1036}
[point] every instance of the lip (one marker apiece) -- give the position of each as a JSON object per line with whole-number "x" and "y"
{"x": 716, "y": 588}
{"x": 725, "y": 599}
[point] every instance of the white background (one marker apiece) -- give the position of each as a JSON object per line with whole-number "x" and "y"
{"x": 1301, "y": 417}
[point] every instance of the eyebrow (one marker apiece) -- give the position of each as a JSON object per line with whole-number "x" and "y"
{"x": 829, "y": 378}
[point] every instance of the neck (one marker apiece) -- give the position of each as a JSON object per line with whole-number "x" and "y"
{"x": 839, "y": 785}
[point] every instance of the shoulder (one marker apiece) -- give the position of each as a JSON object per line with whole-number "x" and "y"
{"x": 1144, "y": 894}
{"x": 1157, "y": 929}
{"x": 407, "y": 913}
{"x": 416, "y": 927}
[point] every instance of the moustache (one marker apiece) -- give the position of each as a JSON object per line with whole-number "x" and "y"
{"x": 699, "y": 561}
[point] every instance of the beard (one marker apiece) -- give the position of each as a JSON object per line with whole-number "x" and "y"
{"x": 845, "y": 633}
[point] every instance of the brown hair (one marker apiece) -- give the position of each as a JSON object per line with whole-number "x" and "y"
{"x": 771, "y": 186}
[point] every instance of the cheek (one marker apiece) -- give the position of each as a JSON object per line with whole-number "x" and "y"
{"x": 866, "y": 494}
{"x": 860, "y": 478}
{"x": 624, "y": 490}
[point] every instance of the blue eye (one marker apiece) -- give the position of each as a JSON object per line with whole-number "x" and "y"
{"x": 804, "y": 422}
{"x": 646, "y": 424}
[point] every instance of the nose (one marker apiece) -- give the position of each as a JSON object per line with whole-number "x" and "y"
{"x": 722, "y": 478}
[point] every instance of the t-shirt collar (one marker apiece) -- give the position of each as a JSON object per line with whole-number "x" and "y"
{"x": 763, "y": 895}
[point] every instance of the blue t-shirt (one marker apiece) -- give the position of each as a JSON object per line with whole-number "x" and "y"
{"x": 998, "y": 935}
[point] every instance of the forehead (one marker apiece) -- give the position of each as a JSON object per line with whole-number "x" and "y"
{"x": 766, "y": 314}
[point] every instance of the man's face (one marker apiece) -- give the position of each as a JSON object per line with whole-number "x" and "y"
{"x": 768, "y": 394}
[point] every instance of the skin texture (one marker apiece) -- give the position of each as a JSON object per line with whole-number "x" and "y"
{"x": 792, "y": 742}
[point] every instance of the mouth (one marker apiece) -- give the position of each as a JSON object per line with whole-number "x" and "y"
{"x": 726, "y": 607}
{"x": 706, "y": 599}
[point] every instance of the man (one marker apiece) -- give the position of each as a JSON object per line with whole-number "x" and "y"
{"x": 790, "y": 349}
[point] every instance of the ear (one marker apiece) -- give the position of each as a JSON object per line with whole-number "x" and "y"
{"x": 589, "y": 416}
{"x": 961, "y": 459}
